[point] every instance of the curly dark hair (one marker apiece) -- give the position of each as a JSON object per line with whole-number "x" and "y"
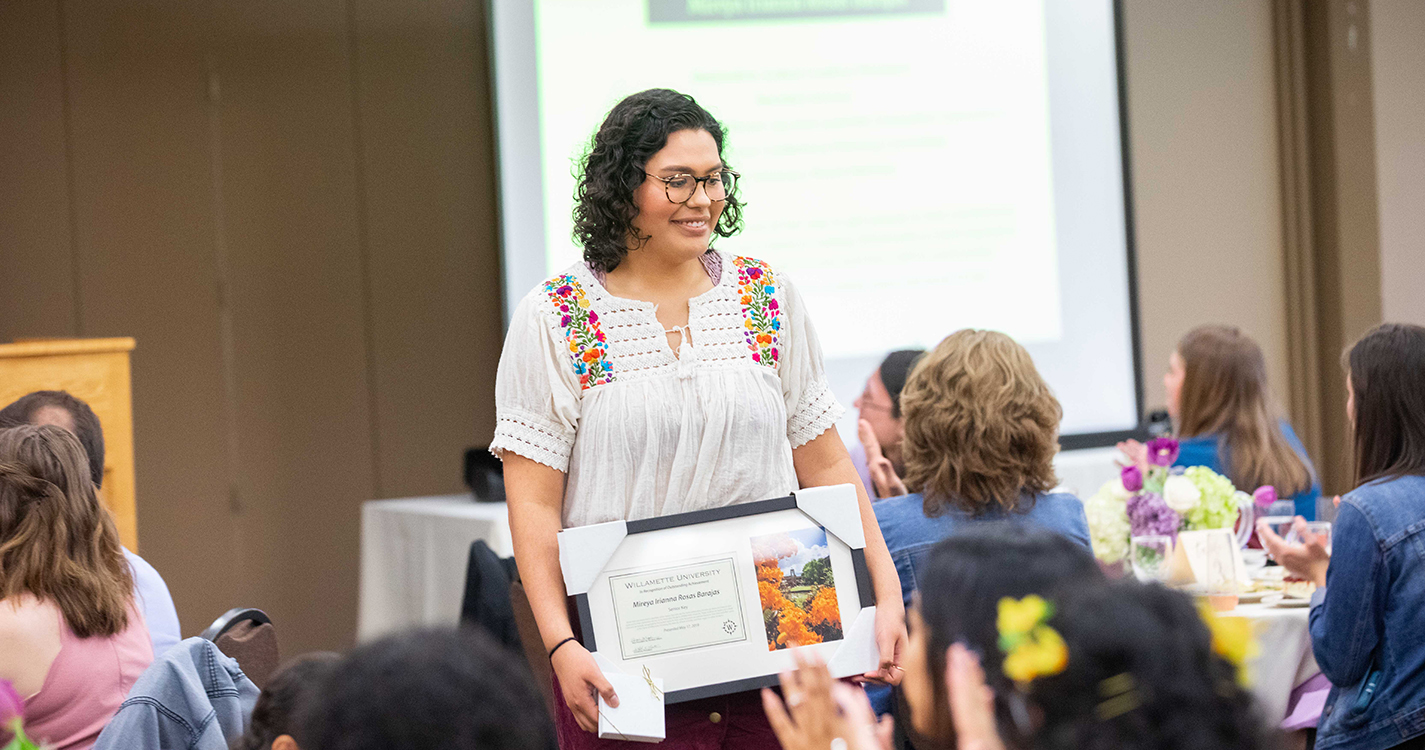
{"x": 281, "y": 701}
{"x": 1142, "y": 675}
{"x": 612, "y": 168}
{"x": 427, "y": 688}
{"x": 961, "y": 581}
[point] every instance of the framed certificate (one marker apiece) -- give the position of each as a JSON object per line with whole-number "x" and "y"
{"x": 711, "y": 602}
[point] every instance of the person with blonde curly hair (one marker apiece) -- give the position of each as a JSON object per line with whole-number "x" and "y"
{"x": 981, "y": 431}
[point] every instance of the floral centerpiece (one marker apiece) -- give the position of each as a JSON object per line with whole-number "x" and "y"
{"x": 12, "y": 722}
{"x": 1161, "y": 500}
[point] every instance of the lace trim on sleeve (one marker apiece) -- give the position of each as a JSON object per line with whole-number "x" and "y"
{"x": 532, "y": 438}
{"x": 817, "y": 412}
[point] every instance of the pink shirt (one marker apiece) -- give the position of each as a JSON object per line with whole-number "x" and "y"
{"x": 86, "y": 683}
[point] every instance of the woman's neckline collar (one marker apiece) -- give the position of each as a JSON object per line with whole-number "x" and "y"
{"x": 591, "y": 280}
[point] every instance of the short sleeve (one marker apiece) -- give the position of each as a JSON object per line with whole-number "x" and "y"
{"x": 537, "y": 396}
{"x": 811, "y": 408}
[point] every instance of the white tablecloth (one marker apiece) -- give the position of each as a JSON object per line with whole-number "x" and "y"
{"x": 413, "y": 558}
{"x": 1285, "y": 660}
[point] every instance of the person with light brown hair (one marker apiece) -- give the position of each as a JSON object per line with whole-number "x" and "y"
{"x": 981, "y": 432}
{"x": 1222, "y": 411}
{"x": 72, "y": 641}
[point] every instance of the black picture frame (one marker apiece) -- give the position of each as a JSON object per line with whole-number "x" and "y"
{"x": 774, "y": 505}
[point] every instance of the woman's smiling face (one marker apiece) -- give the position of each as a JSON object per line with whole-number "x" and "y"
{"x": 678, "y": 231}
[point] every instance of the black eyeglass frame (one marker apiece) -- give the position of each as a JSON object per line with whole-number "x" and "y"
{"x": 696, "y": 181}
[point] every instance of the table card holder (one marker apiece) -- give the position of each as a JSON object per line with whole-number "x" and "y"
{"x": 1208, "y": 557}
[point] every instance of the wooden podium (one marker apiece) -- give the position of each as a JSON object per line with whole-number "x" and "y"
{"x": 97, "y": 372}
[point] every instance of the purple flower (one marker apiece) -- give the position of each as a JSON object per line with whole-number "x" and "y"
{"x": 1162, "y": 451}
{"x": 593, "y": 317}
{"x": 755, "y": 273}
{"x": 1132, "y": 477}
{"x": 1265, "y": 496}
{"x": 565, "y": 321}
{"x": 11, "y": 706}
{"x": 563, "y": 308}
{"x": 1149, "y": 514}
{"x": 564, "y": 291}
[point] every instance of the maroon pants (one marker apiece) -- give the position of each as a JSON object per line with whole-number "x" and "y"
{"x": 725, "y": 722}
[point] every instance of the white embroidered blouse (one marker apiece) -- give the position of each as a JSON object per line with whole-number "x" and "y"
{"x": 588, "y": 385}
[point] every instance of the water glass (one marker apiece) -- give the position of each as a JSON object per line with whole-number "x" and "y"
{"x": 1321, "y": 529}
{"x": 1279, "y": 524}
{"x": 1150, "y": 554}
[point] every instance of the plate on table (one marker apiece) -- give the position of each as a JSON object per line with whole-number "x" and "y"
{"x": 1285, "y": 602}
{"x": 1252, "y": 597}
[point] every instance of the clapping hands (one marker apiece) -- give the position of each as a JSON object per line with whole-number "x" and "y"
{"x": 820, "y": 712}
{"x": 884, "y": 481}
{"x": 1307, "y": 560}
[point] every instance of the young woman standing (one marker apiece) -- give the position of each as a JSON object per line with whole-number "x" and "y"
{"x": 661, "y": 376}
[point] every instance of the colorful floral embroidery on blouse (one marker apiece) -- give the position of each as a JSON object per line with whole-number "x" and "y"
{"x": 762, "y": 317}
{"x": 588, "y": 349}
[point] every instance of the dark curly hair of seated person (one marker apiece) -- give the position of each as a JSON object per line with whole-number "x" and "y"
{"x": 282, "y": 699}
{"x": 1142, "y": 674}
{"x": 428, "y": 688}
{"x": 612, "y": 169}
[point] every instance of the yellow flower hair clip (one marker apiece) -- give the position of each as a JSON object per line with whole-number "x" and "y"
{"x": 1031, "y": 648}
{"x": 1232, "y": 639}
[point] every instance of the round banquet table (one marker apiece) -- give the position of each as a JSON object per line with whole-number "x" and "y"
{"x": 1284, "y": 660}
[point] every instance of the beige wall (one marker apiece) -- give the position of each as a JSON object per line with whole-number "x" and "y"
{"x": 291, "y": 207}
{"x": 1202, "y": 115}
{"x": 1398, "y": 60}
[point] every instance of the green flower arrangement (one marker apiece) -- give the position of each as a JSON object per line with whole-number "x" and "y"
{"x": 1218, "y": 505}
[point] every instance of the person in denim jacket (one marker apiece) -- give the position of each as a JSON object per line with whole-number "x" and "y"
{"x": 1368, "y": 612}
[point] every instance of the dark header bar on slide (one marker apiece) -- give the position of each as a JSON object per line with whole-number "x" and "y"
{"x": 685, "y": 11}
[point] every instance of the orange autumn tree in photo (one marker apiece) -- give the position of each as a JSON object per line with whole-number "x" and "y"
{"x": 798, "y": 607}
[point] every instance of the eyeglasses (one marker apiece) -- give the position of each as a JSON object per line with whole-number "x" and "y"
{"x": 680, "y": 187}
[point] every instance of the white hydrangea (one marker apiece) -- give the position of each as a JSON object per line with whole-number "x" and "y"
{"x": 1109, "y": 530}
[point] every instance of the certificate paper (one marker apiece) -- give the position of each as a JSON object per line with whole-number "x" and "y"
{"x": 663, "y": 610}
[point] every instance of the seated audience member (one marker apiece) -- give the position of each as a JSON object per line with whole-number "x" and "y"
{"x": 60, "y": 409}
{"x": 1369, "y": 606}
{"x": 428, "y": 690}
{"x": 981, "y": 431}
{"x": 1222, "y": 411}
{"x": 1144, "y": 671}
{"x": 962, "y": 580}
{"x": 291, "y": 689}
{"x": 72, "y": 641}
{"x": 1125, "y": 666}
{"x": 877, "y": 456}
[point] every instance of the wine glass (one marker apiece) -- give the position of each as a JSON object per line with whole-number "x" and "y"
{"x": 1150, "y": 554}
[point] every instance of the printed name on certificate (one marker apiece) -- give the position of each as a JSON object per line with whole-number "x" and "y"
{"x": 678, "y": 608}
